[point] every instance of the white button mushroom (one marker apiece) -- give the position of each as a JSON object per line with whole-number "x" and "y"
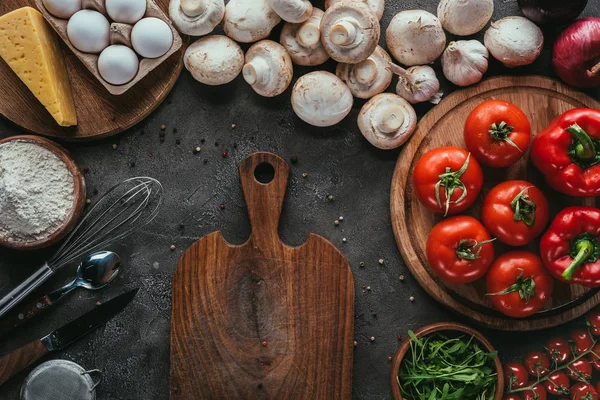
{"x": 376, "y": 6}
{"x": 349, "y": 32}
{"x": 268, "y": 68}
{"x": 248, "y": 21}
{"x": 417, "y": 84}
{"x": 387, "y": 121}
{"x": 464, "y": 62}
{"x": 303, "y": 41}
{"x": 415, "y": 37}
{"x": 514, "y": 41}
{"x": 196, "y": 17}
{"x": 465, "y": 17}
{"x": 321, "y": 99}
{"x": 292, "y": 10}
{"x": 369, "y": 77}
{"x": 214, "y": 60}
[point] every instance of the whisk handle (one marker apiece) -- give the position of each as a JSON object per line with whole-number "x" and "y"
{"x": 24, "y": 289}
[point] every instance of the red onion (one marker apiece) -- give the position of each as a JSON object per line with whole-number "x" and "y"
{"x": 576, "y": 55}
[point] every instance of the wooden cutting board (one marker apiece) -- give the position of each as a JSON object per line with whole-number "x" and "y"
{"x": 99, "y": 114}
{"x": 262, "y": 320}
{"x": 542, "y": 99}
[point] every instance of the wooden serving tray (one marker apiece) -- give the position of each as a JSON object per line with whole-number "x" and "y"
{"x": 542, "y": 99}
{"x": 99, "y": 114}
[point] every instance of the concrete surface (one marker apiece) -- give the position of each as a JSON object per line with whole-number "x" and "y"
{"x": 132, "y": 350}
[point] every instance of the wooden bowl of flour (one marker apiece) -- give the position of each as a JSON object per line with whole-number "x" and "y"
{"x": 60, "y": 229}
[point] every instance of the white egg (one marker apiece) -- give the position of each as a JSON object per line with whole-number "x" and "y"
{"x": 151, "y": 37}
{"x": 62, "y": 8}
{"x": 89, "y": 31}
{"x": 118, "y": 64}
{"x": 126, "y": 11}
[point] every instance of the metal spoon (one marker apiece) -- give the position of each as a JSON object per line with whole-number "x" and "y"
{"x": 95, "y": 272}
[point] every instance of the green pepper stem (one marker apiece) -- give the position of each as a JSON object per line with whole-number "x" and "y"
{"x": 584, "y": 249}
{"x": 523, "y": 207}
{"x": 584, "y": 149}
{"x": 524, "y": 286}
{"x": 465, "y": 251}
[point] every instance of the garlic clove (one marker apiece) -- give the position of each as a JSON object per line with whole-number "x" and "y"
{"x": 417, "y": 84}
{"x": 465, "y": 62}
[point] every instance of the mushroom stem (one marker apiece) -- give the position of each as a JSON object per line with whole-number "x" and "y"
{"x": 365, "y": 72}
{"x": 389, "y": 119}
{"x": 308, "y": 35}
{"x": 193, "y": 8}
{"x": 343, "y": 33}
{"x": 256, "y": 71}
{"x": 594, "y": 70}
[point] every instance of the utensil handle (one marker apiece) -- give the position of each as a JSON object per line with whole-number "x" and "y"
{"x": 21, "y": 315}
{"x": 264, "y": 200}
{"x": 15, "y": 362}
{"x": 24, "y": 289}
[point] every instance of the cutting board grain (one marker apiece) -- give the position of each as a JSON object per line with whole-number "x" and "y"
{"x": 99, "y": 114}
{"x": 541, "y": 99}
{"x": 262, "y": 320}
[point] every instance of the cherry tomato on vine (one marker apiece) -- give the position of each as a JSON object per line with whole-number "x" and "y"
{"x": 594, "y": 354}
{"x": 582, "y": 340}
{"x": 515, "y": 212}
{"x": 558, "y": 350}
{"x": 537, "y": 363}
{"x": 515, "y": 375}
{"x": 512, "y": 397}
{"x": 580, "y": 370}
{"x": 583, "y": 391}
{"x": 536, "y": 393}
{"x": 518, "y": 285}
{"x": 447, "y": 180}
{"x": 497, "y": 133}
{"x": 459, "y": 249}
{"x": 558, "y": 383}
{"x": 593, "y": 321}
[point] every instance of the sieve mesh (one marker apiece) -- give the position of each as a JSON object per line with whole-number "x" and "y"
{"x": 58, "y": 380}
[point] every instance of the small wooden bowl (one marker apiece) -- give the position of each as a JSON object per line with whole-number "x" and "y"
{"x": 438, "y": 327}
{"x": 79, "y": 195}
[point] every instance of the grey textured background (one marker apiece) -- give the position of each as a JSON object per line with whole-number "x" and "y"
{"x": 133, "y": 349}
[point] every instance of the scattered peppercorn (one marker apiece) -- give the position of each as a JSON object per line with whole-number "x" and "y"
{"x": 372, "y": 338}
{"x": 150, "y": 154}
{"x": 162, "y": 139}
{"x": 260, "y": 386}
{"x": 197, "y": 150}
{"x": 224, "y": 154}
{"x": 389, "y": 358}
{"x": 398, "y": 337}
{"x": 411, "y": 298}
{"x": 95, "y": 192}
{"x": 216, "y": 144}
{"x": 113, "y": 117}
{"x": 364, "y": 286}
{"x": 222, "y": 206}
{"x": 304, "y": 174}
{"x": 381, "y": 261}
{"x": 341, "y": 218}
{"x": 369, "y": 288}
{"x": 172, "y": 247}
{"x": 181, "y": 226}
{"x": 163, "y": 127}
{"x": 294, "y": 159}
{"x": 330, "y": 197}
{"x": 362, "y": 264}
{"x": 88, "y": 201}
{"x": 161, "y": 134}
{"x": 114, "y": 146}
{"x": 177, "y": 141}
{"x": 202, "y": 140}
{"x": 264, "y": 343}
{"x": 233, "y": 126}
{"x": 86, "y": 170}
{"x": 132, "y": 164}
{"x": 205, "y": 161}
{"x": 355, "y": 343}
{"x": 174, "y": 130}
{"x": 344, "y": 240}
{"x": 401, "y": 278}
{"x": 336, "y": 222}
{"x": 234, "y": 145}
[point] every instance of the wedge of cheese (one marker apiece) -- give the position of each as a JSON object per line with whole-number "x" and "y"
{"x": 30, "y": 47}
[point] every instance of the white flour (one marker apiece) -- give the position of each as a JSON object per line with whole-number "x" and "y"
{"x": 36, "y": 192}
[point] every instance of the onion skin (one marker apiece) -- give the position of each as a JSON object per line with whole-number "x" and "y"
{"x": 577, "y": 51}
{"x": 552, "y": 11}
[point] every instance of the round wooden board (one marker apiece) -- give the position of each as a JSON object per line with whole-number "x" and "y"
{"x": 541, "y": 99}
{"x": 99, "y": 114}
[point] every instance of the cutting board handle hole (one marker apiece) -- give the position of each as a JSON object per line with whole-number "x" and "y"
{"x": 264, "y": 173}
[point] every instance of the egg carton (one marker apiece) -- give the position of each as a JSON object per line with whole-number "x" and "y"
{"x": 119, "y": 34}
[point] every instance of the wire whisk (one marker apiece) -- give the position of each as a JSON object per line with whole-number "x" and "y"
{"x": 122, "y": 210}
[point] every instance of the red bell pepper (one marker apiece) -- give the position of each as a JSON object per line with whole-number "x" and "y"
{"x": 570, "y": 248}
{"x": 568, "y": 152}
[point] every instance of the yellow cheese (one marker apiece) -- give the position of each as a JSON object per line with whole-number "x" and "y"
{"x": 30, "y": 47}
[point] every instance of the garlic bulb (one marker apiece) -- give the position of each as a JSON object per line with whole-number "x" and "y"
{"x": 514, "y": 41}
{"x": 465, "y": 61}
{"x": 417, "y": 84}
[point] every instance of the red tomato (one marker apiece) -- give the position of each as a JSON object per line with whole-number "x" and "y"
{"x": 515, "y": 375}
{"x": 557, "y": 383}
{"x": 497, "y": 133}
{"x": 558, "y": 350}
{"x": 512, "y": 397}
{"x": 598, "y": 387}
{"x": 582, "y": 340}
{"x": 594, "y": 357}
{"x": 447, "y": 180}
{"x": 580, "y": 370}
{"x": 583, "y": 391}
{"x": 593, "y": 321}
{"x": 537, "y": 363}
{"x": 459, "y": 249}
{"x": 518, "y": 285}
{"x": 515, "y": 212}
{"x": 536, "y": 393}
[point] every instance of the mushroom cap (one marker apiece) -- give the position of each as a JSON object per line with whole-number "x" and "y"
{"x": 387, "y": 121}
{"x": 268, "y": 68}
{"x": 196, "y": 17}
{"x": 514, "y": 41}
{"x": 303, "y": 41}
{"x": 214, "y": 60}
{"x": 349, "y": 32}
{"x": 415, "y": 37}
{"x": 248, "y": 21}
{"x": 376, "y": 6}
{"x": 321, "y": 99}
{"x": 369, "y": 77}
{"x": 465, "y": 17}
{"x": 295, "y": 11}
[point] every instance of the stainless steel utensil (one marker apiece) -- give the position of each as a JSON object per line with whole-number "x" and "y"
{"x": 95, "y": 272}
{"x": 125, "y": 208}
